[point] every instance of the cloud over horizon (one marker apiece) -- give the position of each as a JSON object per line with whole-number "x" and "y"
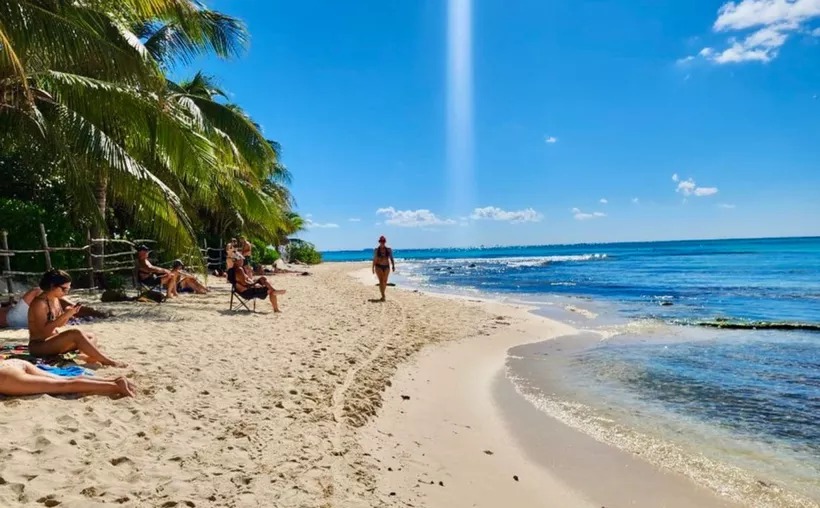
{"x": 412, "y": 218}
{"x": 579, "y": 215}
{"x": 689, "y": 187}
{"x": 497, "y": 214}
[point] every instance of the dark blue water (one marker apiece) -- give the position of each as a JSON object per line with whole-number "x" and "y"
{"x": 760, "y": 385}
{"x": 755, "y": 280}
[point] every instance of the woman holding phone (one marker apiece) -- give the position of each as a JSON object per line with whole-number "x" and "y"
{"x": 46, "y": 315}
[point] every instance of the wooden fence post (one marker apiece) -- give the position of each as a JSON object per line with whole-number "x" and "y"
{"x": 7, "y": 261}
{"x": 91, "y": 279}
{"x": 44, "y": 238}
{"x": 207, "y": 259}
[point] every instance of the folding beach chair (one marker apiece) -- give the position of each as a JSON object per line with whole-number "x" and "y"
{"x": 231, "y": 274}
{"x": 149, "y": 286}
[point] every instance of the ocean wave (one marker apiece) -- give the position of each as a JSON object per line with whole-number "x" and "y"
{"x": 513, "y": 262}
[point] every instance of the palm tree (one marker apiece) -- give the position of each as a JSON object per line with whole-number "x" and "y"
{"x": 75, "y": 77}
{"x": 87, "y": 81}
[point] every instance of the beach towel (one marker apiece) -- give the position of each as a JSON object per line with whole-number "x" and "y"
{"x": 68, "y": 371}
{"x": 61, "y": 365}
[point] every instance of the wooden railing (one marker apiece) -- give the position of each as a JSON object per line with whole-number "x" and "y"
{"x": 97, "y": 263}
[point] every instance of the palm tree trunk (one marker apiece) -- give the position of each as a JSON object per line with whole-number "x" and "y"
{"x": 98, "y": 228}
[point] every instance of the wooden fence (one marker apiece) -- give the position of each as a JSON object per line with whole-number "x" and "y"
{"x": 122, "y": 257}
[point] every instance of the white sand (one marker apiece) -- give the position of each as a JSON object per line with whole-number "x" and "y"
{"x": 268, "y": 410}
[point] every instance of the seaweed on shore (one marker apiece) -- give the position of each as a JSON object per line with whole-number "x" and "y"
{"x": 758, "y": 325}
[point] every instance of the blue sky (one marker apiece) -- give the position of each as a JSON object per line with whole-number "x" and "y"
{"x": 582, "y": 114}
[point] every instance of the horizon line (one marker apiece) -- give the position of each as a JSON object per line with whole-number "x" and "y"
{"x": 499, "y": 246}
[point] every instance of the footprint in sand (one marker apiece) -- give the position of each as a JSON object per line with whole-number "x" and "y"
{"x": 49, "y": 500}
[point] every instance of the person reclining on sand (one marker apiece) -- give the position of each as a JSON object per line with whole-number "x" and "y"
{"x": 186, "y": 280}
{"x": 19, "y": 377}
{"x": 248, "y": 288}
{"x": 151, "y": 275}
{"x": 16, "y": 315}
{"x": 46, "y": 314}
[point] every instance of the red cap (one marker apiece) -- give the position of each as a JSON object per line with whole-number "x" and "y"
{"x": 382, "y": 239}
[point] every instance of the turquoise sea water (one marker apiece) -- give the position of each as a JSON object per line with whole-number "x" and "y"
{"x": 758, "y": 383}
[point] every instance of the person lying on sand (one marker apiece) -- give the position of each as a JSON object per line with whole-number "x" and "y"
{"x": 46, "y": 314}
{"x": 16, "y": 315}
{"x": 186, "y": 280}
{"x": 247, "y": 287}
{"x": 151, "y": 275}
{"x": 19, "y": 377}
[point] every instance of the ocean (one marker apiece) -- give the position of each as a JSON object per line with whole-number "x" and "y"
{"x": 709, "y": 350}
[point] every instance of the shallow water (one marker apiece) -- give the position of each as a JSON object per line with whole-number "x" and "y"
{"x": 746, "y": 398}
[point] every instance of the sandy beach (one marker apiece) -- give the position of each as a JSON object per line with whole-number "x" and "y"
{"x": 238, "y": 409}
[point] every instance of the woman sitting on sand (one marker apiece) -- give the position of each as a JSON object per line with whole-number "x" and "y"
{"x": 249, "y": 288}
{"x": 382, "y": 259}
{"x": 46, "y": 314}
{"x": 19, "y": 377}
{"x": 16, "y": 315}
{"x": 187, "y": 281}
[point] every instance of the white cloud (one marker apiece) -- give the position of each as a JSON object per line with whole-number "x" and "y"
{"x": 550, "y": 140}
{"x": 752, "y": 13}
{"x": 726, "y": 206}
{"x": 495, "y": 213}
{"x": 603, "y": 201}
{"x": 579, "y": 215}
{"x": 309, "y": 224}
{"x": 690, "y": 188}
{"x": 636, "y": 201}
{"x": 686, "y": 187}
{"x": 772, "y": 22}
{"x": 815, "y": 32}
{"x": 412, "y": 218}
{"x": 706, "y": 191}
{"x": 354, "y": 220}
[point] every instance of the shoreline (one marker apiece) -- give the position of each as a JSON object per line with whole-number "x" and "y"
{"x": 288, "y": 410}
{"x": 437, "y": 440}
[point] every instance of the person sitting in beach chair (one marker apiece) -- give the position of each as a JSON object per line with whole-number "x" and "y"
{"x": 187, "y": 281}
{"x": 152, "y": 276}
{"x": 16, "y": 315}
{"x": 248, "y": 288}
{"x": 46, "y": 315}
{"x": 20, "y": 378}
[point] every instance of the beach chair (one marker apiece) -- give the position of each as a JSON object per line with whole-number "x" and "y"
{"x": 243, "y": 302}
{"x": 144, "y": 288}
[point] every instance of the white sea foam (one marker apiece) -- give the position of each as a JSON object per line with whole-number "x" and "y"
{"x": 511, "y": 261}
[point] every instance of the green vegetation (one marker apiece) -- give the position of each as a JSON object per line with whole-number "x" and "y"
{"x": 263, "y": 254}
{"x": 303, "y": 252}
{"x": 96, "y": 136}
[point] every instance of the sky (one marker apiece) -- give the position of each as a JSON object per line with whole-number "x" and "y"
{"x": 455, "y": 123}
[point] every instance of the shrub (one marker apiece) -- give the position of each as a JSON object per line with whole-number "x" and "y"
{"x": 263, "y": 253}
{"x": 304, "y": 252}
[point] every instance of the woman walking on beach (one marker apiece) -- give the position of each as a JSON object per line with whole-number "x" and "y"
{"x": 382, "y": 259}
{"x": 46, "y": 314}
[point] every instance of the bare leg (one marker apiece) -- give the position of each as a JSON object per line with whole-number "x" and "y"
{"x": 70, "y": 340}
{"x": 273, "y": 301}
{"x": 271, "y": 289}
{"x": 170, "y": 283}
{"x": 193, "y": 284}
{"x": 20, "y": 379}
{"x": 382, "y": 275}
{"x": 3, "y": 313}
